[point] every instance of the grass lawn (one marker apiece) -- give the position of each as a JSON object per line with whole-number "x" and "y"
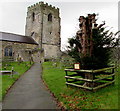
{"x": 75, "y": 98}
{"x": 7, "y": 81}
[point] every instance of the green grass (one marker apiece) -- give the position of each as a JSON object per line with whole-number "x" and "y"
{"x": 75, "y": 98}
{"x": 7, "y": 81}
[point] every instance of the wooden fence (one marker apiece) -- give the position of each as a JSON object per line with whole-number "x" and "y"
{"x": 97, "y": 79}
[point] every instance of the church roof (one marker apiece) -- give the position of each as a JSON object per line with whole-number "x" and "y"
{"x": 16, "y": 38}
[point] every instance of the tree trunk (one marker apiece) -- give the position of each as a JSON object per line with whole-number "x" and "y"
{"x": 91, "y": 77}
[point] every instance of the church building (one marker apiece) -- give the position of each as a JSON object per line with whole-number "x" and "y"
{"x": 42, "y": 36}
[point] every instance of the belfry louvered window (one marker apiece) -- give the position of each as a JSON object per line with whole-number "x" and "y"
{"x": 50, "y": 17}
{"x": 33, "y": 16}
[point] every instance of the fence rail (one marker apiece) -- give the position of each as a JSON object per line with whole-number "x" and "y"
{"x": 94, "y": 80}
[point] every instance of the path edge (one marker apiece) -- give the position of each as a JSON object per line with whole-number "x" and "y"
{"x": 60, "y": 106}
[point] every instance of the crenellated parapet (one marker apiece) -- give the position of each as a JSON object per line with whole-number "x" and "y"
{"x": 42, "y": 4}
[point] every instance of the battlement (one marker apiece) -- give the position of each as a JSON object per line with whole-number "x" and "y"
{"x": 42, "y": 4}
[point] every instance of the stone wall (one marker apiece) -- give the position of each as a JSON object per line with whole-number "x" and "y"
{"x": 51, "y": 52}
{"x": 18, "y": 49}
{"x": 0, "y": 51}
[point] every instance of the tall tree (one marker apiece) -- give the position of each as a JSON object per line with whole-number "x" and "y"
{"x": 92, "y": 44}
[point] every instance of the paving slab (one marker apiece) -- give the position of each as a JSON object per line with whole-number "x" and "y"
{"x": 29, "y": 92}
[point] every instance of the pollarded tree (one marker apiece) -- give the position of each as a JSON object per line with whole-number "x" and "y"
{"x": 92, "y": 45}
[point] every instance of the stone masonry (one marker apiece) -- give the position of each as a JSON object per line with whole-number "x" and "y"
{"x": 18, "y": 50}
{"x": 43, "y": 25}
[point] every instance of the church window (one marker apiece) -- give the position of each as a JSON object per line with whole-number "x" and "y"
{"x": 50, "y": 17}
{"x": 8, "y": 51}
{"x": 33, "y": 16}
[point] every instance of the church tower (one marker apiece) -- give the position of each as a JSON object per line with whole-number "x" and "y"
{"x": 43, "y": 25}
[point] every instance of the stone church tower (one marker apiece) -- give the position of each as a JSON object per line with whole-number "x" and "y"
{"x": 43, "y": 25}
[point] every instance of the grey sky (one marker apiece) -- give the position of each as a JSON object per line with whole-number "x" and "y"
{"x": 13, "y": 15}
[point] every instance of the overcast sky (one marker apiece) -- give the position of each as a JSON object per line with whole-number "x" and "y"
{"x": 13, "y": 17}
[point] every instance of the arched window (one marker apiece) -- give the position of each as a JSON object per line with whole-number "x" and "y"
{"x": 33, "y": 16}
{"x": 50, "y": 17}
{"x": 8, "y": 51}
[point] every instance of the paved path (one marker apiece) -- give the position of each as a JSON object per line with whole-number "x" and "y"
{"x": 0, "y": 106}
{"x": 29, "y": 92}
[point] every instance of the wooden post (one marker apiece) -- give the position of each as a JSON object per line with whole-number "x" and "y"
{"x": 113, "y": 77}
{"x": 66, "y": 73}
{"x": 66, "y": 78}
{"x": 12, "y": 72}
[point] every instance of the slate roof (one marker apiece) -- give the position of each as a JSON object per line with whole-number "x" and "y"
{"x": 16, "y": 38}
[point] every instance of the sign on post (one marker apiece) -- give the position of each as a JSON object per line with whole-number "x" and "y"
{"x": 77, "y": 66}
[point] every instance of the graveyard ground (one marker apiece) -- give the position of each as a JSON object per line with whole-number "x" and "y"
{"x": 7, "y": 81}
{"x": 75, "y": 98}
